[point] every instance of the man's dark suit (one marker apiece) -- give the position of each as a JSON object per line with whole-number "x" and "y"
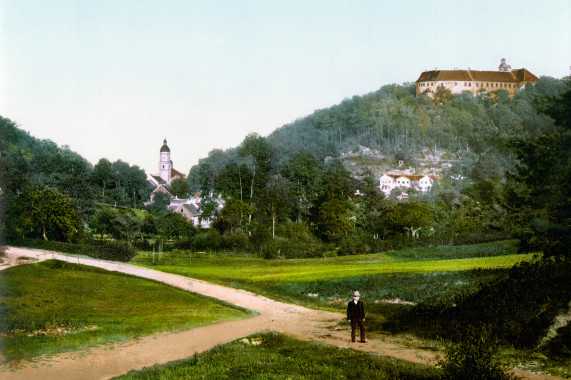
{"x": 356, "y": 313}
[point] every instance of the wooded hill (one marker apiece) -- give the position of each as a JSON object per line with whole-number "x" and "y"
{"x": 294, "y": 190}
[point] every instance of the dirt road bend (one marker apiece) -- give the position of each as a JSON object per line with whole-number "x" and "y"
{"x": 109, "y": 360}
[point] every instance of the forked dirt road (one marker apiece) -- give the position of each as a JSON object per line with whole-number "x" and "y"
{"x": 109, "y": 360}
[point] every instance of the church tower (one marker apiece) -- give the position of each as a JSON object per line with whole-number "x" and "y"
{"x": 165, "y": 163}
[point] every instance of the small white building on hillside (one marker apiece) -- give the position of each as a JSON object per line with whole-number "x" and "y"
{"x": 423, "y": 183}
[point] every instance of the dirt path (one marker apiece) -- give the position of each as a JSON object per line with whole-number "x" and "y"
{"x": 105, "y": 361}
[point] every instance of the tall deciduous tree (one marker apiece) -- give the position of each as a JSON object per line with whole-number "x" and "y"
{"x": 43, "y": 213}
{"x": 179, "y": 187}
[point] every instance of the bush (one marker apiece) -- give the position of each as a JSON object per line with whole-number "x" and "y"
{"x": 209, "y": 240}
{"x": 235, "y": 240}
{"x": 353, "y": 245}
{"x": 473, "y": 358}
{"x": 113, "y": 251}
{"x": 518, "y": 305}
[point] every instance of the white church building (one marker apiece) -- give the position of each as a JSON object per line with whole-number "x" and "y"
{"x": 190, "y": 207}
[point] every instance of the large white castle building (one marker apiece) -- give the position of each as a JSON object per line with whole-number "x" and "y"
{"x": 475, "y": 82}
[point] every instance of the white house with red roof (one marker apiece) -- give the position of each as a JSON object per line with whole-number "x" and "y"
{"x": 422, "y": 183}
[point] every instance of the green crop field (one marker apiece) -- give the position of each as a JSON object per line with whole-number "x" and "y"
{"x": 411, "y": 275}
{"x": 53, "y": 307}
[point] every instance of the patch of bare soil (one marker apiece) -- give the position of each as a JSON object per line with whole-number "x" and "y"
{"x": 106, "y": 361}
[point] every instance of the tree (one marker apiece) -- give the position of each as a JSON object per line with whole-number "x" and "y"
{"x": 303, "y": 172}
{"x": 126, "y": 225}
{"x": 275, "y": 201}
{"x": 442, "y": 95}
{"x": 14, "y": 173}
{"x": 174, "y": 226}
{"x": 537, "y": 196}
{"x": 102, "y": 220}
{"x": 43, "y": 213}
{"x": 103, "y": 175}
{"x": 409, "y": 216}
{"x": 179, "y": 187}
{"x": 334, "y": 219}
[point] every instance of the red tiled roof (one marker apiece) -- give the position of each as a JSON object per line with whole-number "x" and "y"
{"x": 176, "y": 173}
{"x": 442, "y": 75}
{"x": 514, "y": 76}
{"x": 412, "y": 177}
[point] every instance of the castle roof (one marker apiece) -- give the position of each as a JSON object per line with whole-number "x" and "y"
{"x": 514, "y": 76}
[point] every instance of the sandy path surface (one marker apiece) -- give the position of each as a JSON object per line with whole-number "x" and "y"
{"x": 109, "y": 360}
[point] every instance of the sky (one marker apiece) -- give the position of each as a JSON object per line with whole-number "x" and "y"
{"x": 113, "y": 78}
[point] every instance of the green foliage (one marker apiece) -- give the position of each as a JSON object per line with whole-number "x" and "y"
{"x": 517, "y": 307}
{"x": 538, "y": 194}
{"x": 276, "y": 356}
{"x": 105, "y": 250}
{"x": 473, "y": 358}
{"x": 442, "y": 95}
{"x": 179, "y": 187}
{"x": 43, "y": 213}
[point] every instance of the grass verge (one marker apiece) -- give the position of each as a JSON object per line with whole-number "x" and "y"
{"x": 54, "y": 306}
{"x": 275, "y": 356}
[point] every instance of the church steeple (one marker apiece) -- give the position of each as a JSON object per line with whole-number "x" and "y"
{"x": 165, "y": 163}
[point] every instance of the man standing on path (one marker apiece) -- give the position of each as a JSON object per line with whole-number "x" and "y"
{"x": 356, "y": 315}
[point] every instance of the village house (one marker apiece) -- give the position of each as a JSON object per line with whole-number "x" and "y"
{"x": 190, "y": 207}
{"x": 423, "y": 183}
{"x": 475, "y": 82}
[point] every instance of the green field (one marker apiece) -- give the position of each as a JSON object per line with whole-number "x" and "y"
{"x": 53, "y": 307}
{"x": 411, "y": 275}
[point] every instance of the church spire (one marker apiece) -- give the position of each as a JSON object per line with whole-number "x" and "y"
{"x": 165, "y": 163}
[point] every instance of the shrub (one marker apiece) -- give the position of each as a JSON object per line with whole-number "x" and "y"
{"x": 473, "y": 358}
{"x": 235, "y": 240}
{"x": 113, "y": 251}
{"x": 353, "y": 245}
{"x": 209, "y": 240}
{"x": 518, "y": 305}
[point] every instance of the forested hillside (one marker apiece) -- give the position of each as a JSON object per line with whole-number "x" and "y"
{"x": 304, "y": 172}
{"x": 312, "y": 185}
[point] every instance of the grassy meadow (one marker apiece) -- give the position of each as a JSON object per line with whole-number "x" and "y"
{"x": 411, "y": 275}
{"x": 275, "y": 356}
{"x": 53, "y": 307}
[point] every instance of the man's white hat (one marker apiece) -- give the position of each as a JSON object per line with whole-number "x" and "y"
{"x": 356, "y": 294}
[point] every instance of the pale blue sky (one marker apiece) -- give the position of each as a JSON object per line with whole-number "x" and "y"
{"x": 114, "y": 78}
